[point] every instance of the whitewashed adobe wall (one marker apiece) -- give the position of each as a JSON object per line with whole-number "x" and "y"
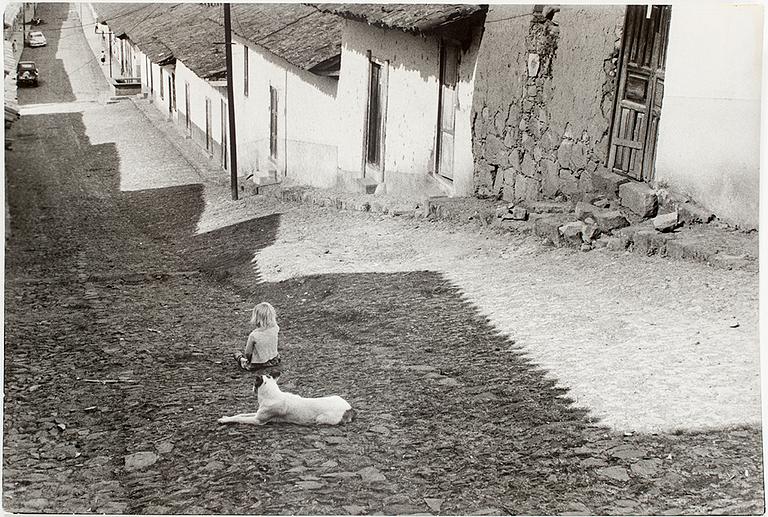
{"x": 307, "y": 119}
{"x": 199, "y": 90}
{"x": 709, "y": 131}
{"x": 411, "y": 107}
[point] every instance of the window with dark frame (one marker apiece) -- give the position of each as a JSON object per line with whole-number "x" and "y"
{"x": 245, "y": 70}
{"x": 273, "y": 122}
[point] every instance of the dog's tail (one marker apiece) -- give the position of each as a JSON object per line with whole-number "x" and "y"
{"x": 348, "y": 415}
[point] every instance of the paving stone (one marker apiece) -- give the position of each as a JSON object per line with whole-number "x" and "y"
{"x": 371, "y": 475}
{"x": 577, "y": 508}
{"x": 404, "y": 509}
{"x": 593, "y": 462}
{"x": 396, "y": 499}
{"x": 627, "y": 453}
{"x": 164, "y": 447}
{"x": 584, "y": 451}
{"x": 646, "y": 468}
{"x": 613, "y": 473}
{"x": 639, "y": 198}
{"x": 140, "y": 460}
{"x": 309, "y": 485}
{"x": 157, "y": 510}
{"x": 113, "y": 508}
{"x": 433, "y": 503}
{"x": 214, "y": 465}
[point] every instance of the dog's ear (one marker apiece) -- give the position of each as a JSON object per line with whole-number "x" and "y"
{"x": 258, "y": 382}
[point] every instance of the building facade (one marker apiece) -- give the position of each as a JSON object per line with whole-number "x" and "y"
{"x": 571, "y": 102}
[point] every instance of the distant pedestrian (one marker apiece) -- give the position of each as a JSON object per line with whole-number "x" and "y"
{"x": 261, "y": 348}
{"x": 103, "y": 57}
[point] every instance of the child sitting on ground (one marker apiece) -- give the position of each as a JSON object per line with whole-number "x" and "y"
{"x": 261, "y": 347}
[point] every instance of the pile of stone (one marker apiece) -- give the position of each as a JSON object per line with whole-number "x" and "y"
{"x": 612, "y": 221}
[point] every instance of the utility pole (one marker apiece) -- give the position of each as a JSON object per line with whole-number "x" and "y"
{"x": 230, "y": 101}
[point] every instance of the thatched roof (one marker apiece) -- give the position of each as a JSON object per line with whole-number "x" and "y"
{"x": 300, "y": 34}
{"x": 406, "y": 17}
{"x": 194, "y": 33}
{"x": 165, "y": 32}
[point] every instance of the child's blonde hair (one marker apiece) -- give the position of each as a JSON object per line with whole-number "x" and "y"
{"x": 264, "y": 315}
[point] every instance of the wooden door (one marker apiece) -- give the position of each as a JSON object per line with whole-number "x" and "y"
{"x": 449, "y": 67}
{"x": 208, "y": 126}
{"x": 224, "y": 128}
{"x": 187, "y": 106}
{"x": 373, "y": 165}
{"x": 640, "y": 91}
{"x": 273, "y": 118}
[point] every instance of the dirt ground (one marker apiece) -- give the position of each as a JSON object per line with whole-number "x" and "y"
{"x": 121, "y": 316}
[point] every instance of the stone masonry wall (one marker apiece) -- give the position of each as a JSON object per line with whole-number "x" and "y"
{"x": 543, "y": 101}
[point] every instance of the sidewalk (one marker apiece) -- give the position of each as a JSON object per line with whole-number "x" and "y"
{"x": 96, "y": 41}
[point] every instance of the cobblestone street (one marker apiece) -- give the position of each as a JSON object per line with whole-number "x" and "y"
{"x": 490, "y": 375}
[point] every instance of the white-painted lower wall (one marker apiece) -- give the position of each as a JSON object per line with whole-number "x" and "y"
{"x": 307, "y": 128}
{"x": 199, "y": 91}
{"x": 709, "y": 131}
{"x": 412, "y": 70}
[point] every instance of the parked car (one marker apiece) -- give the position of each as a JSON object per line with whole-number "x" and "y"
{"x": 27, "y": 73}
{"x": 36, "y": 39}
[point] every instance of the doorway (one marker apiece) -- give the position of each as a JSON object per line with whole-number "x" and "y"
{"x": 224, "y": 126}
{"x": 373, "y": 165}
{"x": 640, "y": 91}
{"x": 446, "y": 114}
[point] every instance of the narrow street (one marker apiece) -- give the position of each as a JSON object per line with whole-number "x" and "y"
{"x": 489, "y": 376}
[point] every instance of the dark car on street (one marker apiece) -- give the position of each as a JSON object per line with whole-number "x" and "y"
{"x": 27, "y": 73}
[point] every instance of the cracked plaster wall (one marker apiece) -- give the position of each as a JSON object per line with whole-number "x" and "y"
{"x": 544, "y": 94}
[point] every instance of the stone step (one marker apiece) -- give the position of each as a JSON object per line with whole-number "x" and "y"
{"x": 265, "y": 178}
{"x": 367, "y": 185}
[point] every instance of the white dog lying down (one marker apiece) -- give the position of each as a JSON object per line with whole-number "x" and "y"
{"x": 280, "y": 406}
